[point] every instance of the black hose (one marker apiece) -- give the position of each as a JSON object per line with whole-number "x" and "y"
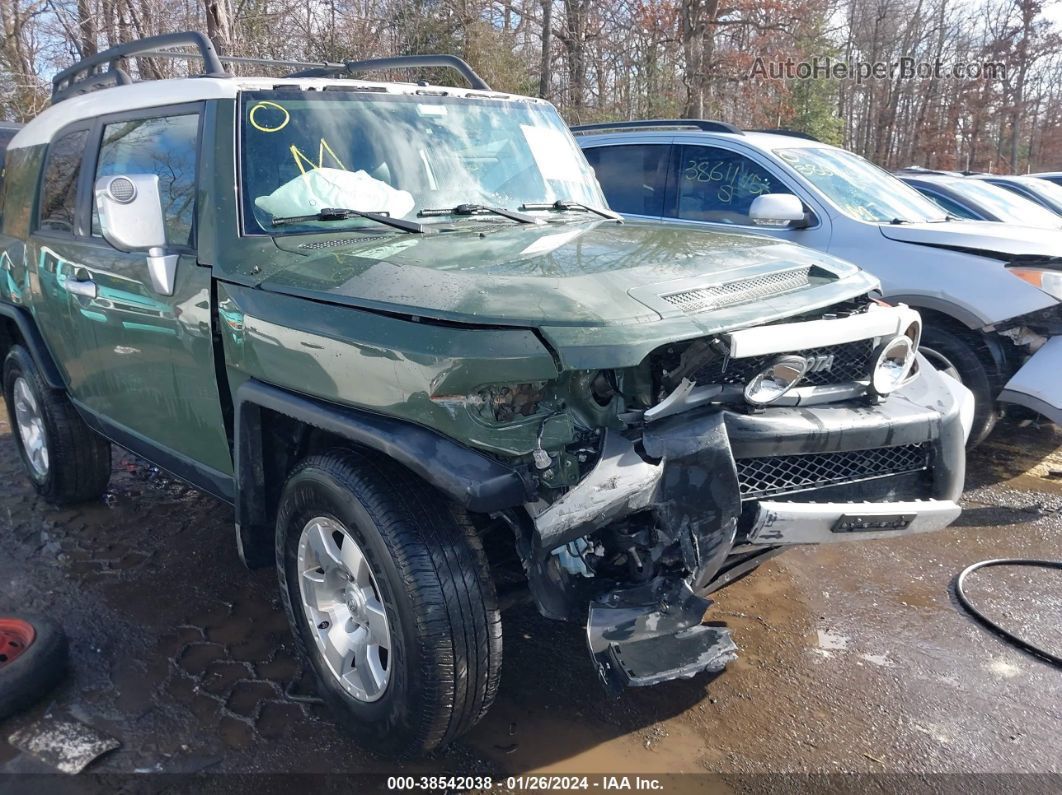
{"x": 1024, "y": 645}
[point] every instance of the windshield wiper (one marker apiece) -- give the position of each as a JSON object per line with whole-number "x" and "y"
{"x": 340, "y": 214}
{"x": 479, "y": 209}
{"x": 564, "y": 204}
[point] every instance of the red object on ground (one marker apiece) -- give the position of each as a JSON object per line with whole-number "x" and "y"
{"x": 15, "y": 637}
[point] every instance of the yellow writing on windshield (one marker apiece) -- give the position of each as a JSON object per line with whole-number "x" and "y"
{"x": 301, "y": 158}
{"x": 266, "y": 105}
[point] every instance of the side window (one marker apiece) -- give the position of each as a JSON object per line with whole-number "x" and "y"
{"x": 165, "y": 146}
{"x": 949, "y": 206}
{"x": 632, "y": 176}
{"x": 718, "y": 185}
{"x": 59, "y": 188}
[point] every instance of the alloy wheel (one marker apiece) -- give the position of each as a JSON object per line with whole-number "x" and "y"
{"x": 344, "y": 608}
{"x": 30, "y": 424}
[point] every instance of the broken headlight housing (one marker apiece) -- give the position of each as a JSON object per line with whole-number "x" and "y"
{"x": 775, "y": 380}
{"x": 502, "y": 403}
{"x": 895, "y": 364}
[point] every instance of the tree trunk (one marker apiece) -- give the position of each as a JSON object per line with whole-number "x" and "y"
{"x": 545, "y": 72}
{"x": 219, "y": 25}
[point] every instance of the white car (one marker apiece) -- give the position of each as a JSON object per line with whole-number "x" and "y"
{"x": 1042, "y": 191}
{"x": 978, "y": 200}
{"x": 990, "y": 293}
{"x": 1050, "y": 176}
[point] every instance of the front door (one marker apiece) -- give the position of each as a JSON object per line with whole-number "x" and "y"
{"x": 153, "y": 379}
{"x": 715, "y": 185}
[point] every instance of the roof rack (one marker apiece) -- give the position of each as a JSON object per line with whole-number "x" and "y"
{"x": 86, "y": 75}
{"x": 398, "y": 62}
{"x": 790, "y": 133}
{"x": 704, "y": 125}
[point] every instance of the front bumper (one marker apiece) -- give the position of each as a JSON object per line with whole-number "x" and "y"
{"x": 780, "y": 523}
{"x": 684, "y": 473}
{"x": 1038, "y": 384}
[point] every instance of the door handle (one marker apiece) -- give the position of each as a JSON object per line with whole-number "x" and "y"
{"x": 82, "y": 287}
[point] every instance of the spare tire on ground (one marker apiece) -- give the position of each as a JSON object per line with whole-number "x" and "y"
{"x": 32, "y": 660}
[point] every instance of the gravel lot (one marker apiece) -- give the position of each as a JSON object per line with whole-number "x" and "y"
{"x": 852, "y": 658}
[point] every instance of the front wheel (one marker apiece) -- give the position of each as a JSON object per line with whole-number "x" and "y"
{"x": 965, "y": 358}
{"x": 390, "y": 599}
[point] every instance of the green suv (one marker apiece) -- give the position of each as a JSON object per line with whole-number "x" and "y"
{"x": 396, "y": 327}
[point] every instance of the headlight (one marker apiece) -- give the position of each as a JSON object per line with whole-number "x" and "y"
{"x": 501, "y": 403}
{"x": 1050, "y": 281}
{"x": 894, "y": 365}
{"x": 775, "y": 380}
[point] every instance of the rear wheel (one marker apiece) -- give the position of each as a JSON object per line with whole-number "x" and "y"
{"x": 391, "y": 601}
{"x": 64, "y": 458}
{"x": 964, "y": 357}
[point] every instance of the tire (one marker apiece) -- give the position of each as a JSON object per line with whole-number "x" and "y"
{"x": 964, "y": 356}
{"x": 28, "y": 671}
{"x": 76, "y": 463}
{"x": 427, "y": 568}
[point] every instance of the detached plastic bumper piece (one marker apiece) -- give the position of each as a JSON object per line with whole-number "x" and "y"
{"x": 651, "y": 633}
{"x": 1038, "y": 384}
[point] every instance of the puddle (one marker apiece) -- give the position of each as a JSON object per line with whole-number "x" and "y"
{"x": 541, "y": 742}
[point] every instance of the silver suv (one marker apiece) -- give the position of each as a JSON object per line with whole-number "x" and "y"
{"x": 989, "y": 293}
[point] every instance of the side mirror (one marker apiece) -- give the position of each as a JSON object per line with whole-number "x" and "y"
{"x": 778, "y": 210}
{"x": 131, "y": 219}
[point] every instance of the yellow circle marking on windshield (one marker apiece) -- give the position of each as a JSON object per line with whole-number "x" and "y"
{"x": 266, "y": 103}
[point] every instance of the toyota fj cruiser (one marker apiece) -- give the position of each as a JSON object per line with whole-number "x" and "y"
{"x": 395, "y": 326}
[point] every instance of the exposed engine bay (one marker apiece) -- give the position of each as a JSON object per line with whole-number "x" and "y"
{"x": 814, "y": 429}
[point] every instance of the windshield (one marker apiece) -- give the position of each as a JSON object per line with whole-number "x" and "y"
{"x": 859, "y": 188}
{"x": 1048, "y": 191}
{"x": 302, "y": 152}
{"x": 1004, "y": 204}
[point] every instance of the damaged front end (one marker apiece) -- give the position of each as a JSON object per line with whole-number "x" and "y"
{"x": 695, "y": 483}
{"x": 1035, "y": 353}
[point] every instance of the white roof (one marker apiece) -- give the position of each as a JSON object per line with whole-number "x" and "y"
{"x": 153, "y": 93}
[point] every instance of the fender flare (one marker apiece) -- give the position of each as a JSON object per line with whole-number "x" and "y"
{"x": 31, "y": 336}
{"x": 945, "y": 307}
{"x": 472, "y": 479}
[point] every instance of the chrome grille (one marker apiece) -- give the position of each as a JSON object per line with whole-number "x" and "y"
{"x": 742, "y": 291}
{"x": 788, "y": 474}
{"x": 850, "y": 362}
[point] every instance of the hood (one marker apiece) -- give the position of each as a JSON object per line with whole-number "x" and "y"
{"x": 581, "y": 274}
{"x": 1002, "y": 241}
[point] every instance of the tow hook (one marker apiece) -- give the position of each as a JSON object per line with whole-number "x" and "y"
{"x": 651, "y": 633}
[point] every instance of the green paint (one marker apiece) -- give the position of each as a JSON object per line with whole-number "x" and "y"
{"x": 417, "y": 327}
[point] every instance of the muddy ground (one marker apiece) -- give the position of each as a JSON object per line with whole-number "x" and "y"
{"x": 852, "y": 658}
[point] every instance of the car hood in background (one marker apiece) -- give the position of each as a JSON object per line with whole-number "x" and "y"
{"x": 987, "y": 238}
